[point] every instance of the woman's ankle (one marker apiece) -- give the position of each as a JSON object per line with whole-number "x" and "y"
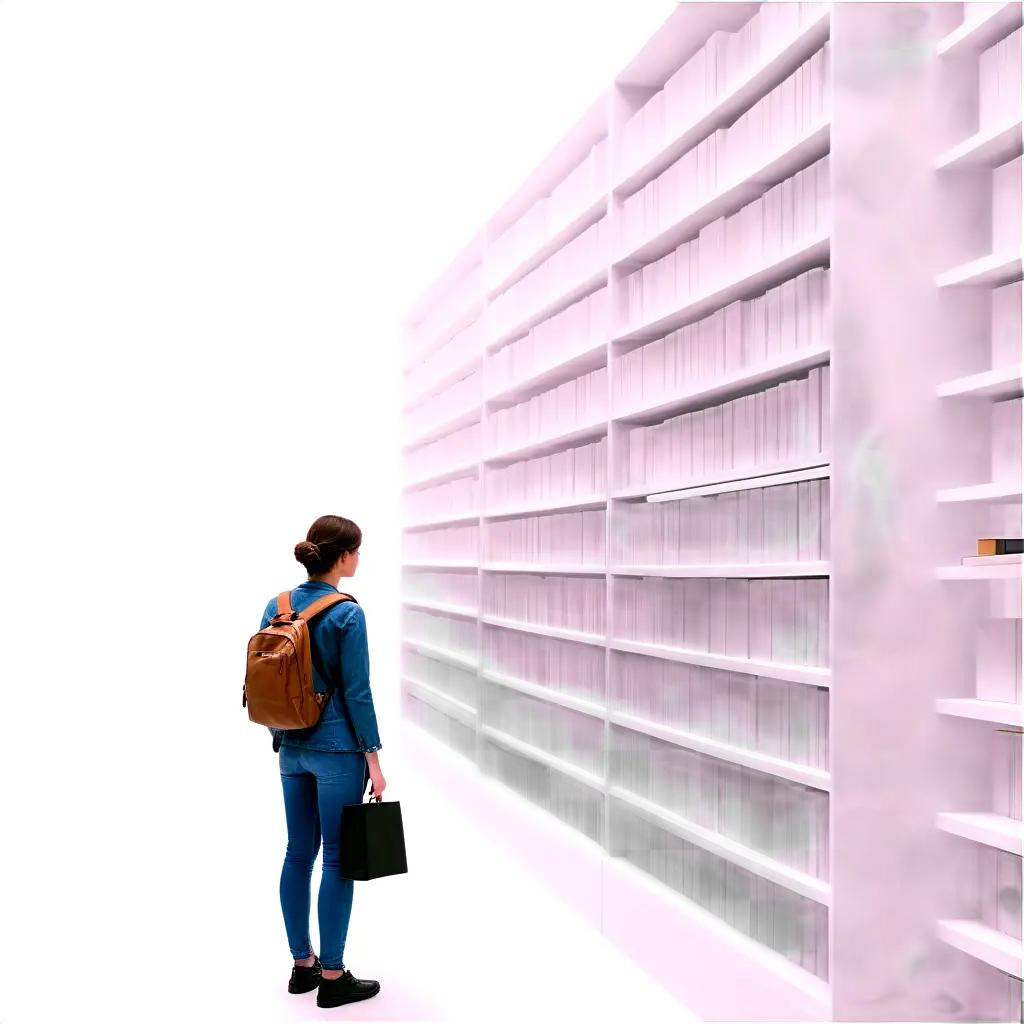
{"x": 309, "y": 961}
{"x": 332, "y": 973}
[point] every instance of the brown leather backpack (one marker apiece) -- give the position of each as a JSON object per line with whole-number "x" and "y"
{"x": 278, "y": 688}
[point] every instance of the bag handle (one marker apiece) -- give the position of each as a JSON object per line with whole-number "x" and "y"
{"x": 284, "y": 605}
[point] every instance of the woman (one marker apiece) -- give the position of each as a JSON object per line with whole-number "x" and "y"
{"x": 322, "y": 767}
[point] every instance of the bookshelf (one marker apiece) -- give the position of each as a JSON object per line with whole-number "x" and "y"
{"x": 657, "y": 447}
{"x": 977, "y": 152}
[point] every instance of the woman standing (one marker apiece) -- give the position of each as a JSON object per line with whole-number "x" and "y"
{"x": 323, "y": 767}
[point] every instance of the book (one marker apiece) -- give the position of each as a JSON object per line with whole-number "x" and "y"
{"x": 1000, "y": 546}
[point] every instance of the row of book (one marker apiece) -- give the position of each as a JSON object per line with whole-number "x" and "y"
{"x": 461, "y": 396}
{"x": 577, "y": 805}
{"x": 561, "y": 666}
{"x": 1007, "y": 774}
{"x": 1005, "y": 334}
{"x": 453, "y": 586}
{"x": 1006, "y": 204}
{"x": 781, "y": 719}
{"x": 1006, "y": 440}
{"x": 746, "y": 334}
{"x": 582, "y": 400}
{"x": 451, "y": 498}
{"x": 730, "y": 155}
{"x": 998, "y": 656}
{"x": 577, "y": 328}
{"x": 584, "y": 184}
{"x": 790, "y": 213}
{"x": 568, "y": 735}
{"x": 585, "y": 255}
{"x": 783, "y": 621}
{"x": 781, "y": 819}
{"x": 449, "y": 730}
{"x": 448, "y": 632}
{"x": 710, "y": 74}
{"x": 459, "y": 683}
{"x": 780, "y": 425}
{"x": 447, "y": 309}
{"x": 580, "y": 472}
{"x": 421, "y": 377}
{"x": 784, "y": 523}
{"x": 564, "y": 602}
{"x": 449, "y": 543}
{"x": 781, "y": 920}
{"x": 999, "y": 82}
{"x": 994, "y": 887}
{"x": 455, "y": 449}
{"x": 567, "y": 538}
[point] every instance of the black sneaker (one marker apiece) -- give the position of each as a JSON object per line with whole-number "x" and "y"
{"x": 346, "y": 989}
{"x": 305, "y": 979}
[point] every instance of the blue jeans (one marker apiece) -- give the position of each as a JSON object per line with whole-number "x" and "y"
{"x": 317, "y": 784}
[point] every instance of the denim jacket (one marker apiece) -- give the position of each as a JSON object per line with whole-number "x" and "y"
{"x": 340, "y": 658}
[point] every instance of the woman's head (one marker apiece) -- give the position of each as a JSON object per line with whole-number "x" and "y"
{"x": 331, "y": 544}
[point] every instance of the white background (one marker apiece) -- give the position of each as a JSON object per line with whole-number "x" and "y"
{"x": 212, "y": 216}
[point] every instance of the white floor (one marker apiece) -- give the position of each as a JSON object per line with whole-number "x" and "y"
{"x": 158, "y": 902}
{"x": 467, "y": 935}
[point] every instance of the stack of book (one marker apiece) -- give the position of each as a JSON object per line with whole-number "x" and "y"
{"x": 785, "y": 523}
{"x": 783, "y": 820}
{"x": 577, "y": 260}
{"x": 770, "y": 716}
{"x": 459, "y": 636}
{"x": 577, "y": 402}
{"x": 561, "y": 666}
{"x": 574, "y": 473}
{"x": 568, "y": 538}
{"x": 781, "y": 424}
{"x": 454, "y": 680}
{"x": 455, "y": 587}
{"x": 450, "y": 543}
{"x": 727, "y": 156}
{"x": 564, "y": 602}
{"x": 449, "y": 452}
{"x": 447, "y": 308}
{"x": 792, "y": 212}
{"x": 450, "y": 499}
{"x": 743, "y": 335}
{"x": 577, "y": 328}
{"x": 781, "y": 621}
{"x": 464, "y": 394}
{"x": 711, "y": 74}
{"x": 558, "y": 731}
{"x": 457, "y": 351}
{"x": 792, "y": 925}
{"x": 583, "y": 185}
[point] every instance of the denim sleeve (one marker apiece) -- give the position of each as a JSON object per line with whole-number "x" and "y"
{"x": 355, "y": 675}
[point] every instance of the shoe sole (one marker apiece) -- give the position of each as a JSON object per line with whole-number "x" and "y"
{"x": 351, "y": 999}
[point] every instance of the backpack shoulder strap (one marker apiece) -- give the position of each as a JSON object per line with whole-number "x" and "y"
{"x": 284, "y": 603}
{"x": 322, "y": 604}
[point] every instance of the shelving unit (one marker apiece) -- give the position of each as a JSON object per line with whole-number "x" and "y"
{"x": 571, "y": 707}
{"x": 978, "y": 795}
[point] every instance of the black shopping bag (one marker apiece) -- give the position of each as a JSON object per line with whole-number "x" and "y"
{"x": 372, "y": 840}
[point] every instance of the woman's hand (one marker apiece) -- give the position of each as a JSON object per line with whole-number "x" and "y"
{"x": 377, "y": 783}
